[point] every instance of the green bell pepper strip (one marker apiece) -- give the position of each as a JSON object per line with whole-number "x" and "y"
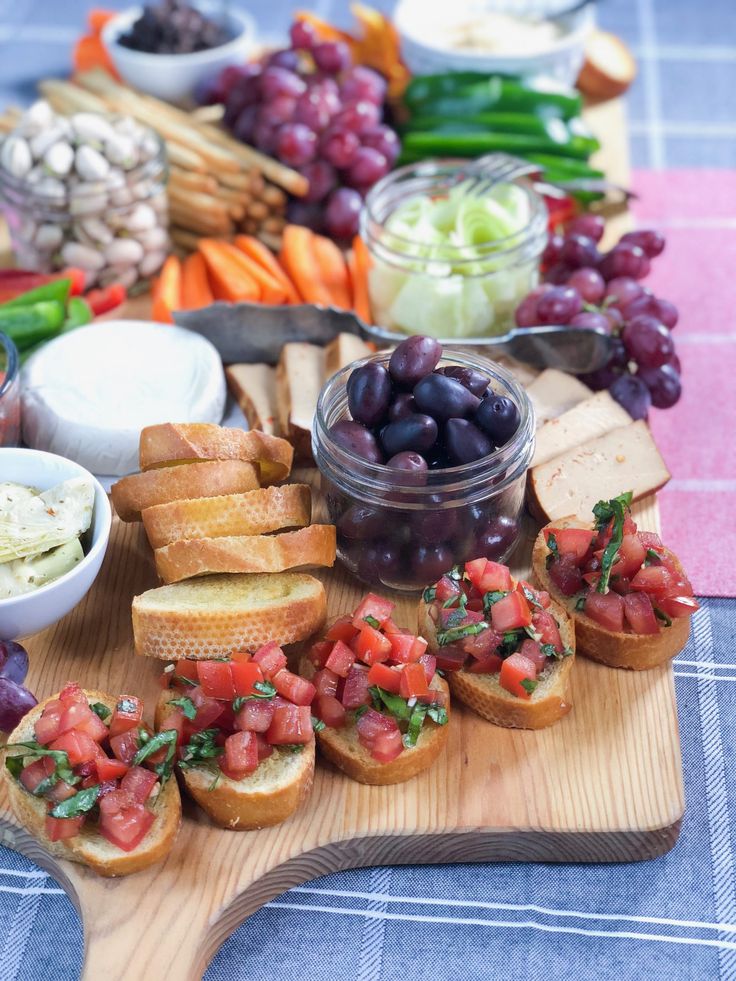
{"x": 556, "y": 131}
{"x": 57, "y": 290}
{"x": 78, "y": 313}
{"x": 462, "y": 94}
{"x": 26, "y": 326}
{"x": 417, "y": 146}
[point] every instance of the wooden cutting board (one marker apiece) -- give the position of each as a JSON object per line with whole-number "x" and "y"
{"x": 605, "y": 784}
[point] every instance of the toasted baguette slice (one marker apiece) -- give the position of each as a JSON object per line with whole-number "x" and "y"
{"x": 214, "y": 616}
{"x": 132, "y": 495}
{"x": 587, "y": 420}
{"x": 638, "y": 652}
{"x": 553, "y": 392}
{"x": 341, "y": 746}
{"x": 300, "y": 549}
{"x": 254, "y": 389}
{"x": 625, "y": 459}
{"x": 256, "y": 512}
{"x": 89, "y": 847}
{"x": 341, "y": 352}
{"x": 299, "y": 376}
{"x": 267, "y": 796}
{"x": 549, "y": 701}
{"x": 187, "y": 442}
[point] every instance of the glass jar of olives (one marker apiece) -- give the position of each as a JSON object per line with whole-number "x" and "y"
{"x": 404, "y": 510}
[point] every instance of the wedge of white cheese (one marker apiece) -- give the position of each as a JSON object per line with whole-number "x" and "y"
{"x": 553, "y": 392}
{"x": 299, "y": 375}
{"x": 587, "y": 420}
{"x": 626, "y": 459}
{"x": 254, "y": 388}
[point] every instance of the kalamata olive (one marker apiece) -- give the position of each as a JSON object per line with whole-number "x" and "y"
{"x": 498, "y": 417}
{"x": 474, "y": 381}
{"x": 354, "y": 438}
{"x": 428, "y": 562}
{"x": 415, "y": 432}
{"x": 437, "y": 458}
{"x": 497, "y": 537}
{"x": 444, "y": 398}
{"x": 378, "y": 562}
{"x": 413, "y": 359}
{"x": 413, "y": 466}
{"x": 402, "y": 405}
{"x": 361, "y": 522}
{"x": 369, "y": 394}
{"x": 433, "y": 526}
{"x": 465, "y": 442}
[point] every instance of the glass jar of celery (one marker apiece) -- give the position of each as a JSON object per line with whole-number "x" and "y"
{"x": 447, "y": 261}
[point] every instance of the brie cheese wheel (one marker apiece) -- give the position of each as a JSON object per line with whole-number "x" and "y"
{"x": 86, "y": 395}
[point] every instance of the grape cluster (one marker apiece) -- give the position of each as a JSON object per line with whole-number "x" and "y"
{"x": 589, "y": 289}
{"x": 15, "y": 700}
{"x": 311, "y": 108}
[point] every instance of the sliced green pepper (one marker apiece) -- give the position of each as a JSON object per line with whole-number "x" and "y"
{"x": 417, "y": 146}
{"x": 78, "y": 313}
{"x": 464, "y": 93}
{"x": 57, "y": 290}
{"x": 26, "y": 326}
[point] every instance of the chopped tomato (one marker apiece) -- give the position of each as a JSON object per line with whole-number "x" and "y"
{"x": 216, "y": 679}
{"x": 511, "y": 613}
{"x": 125, "y": 746}
{"x": 271, "y": 659}
{"x": 532, "y": 650}
{"x": 631, "y": 555}
{"x": 429, "y": 663}
{"x": 374, "y": 606}
{"x": 607, "y": 609}
{"x": 123, "y": 821}
{"x": 650, "y": 540}
{"x": 413, "y": 682}
{"x": 653, "y": 579}
{"x": 241, "y": 755}
{"x": 385, "y": 677}
{"x": 389, "y": 627}
{"x": 139, "y": 783}
{"x": 176, "y": 720}
{"x": 47, "y": 727}
{"x": 264, "y": 748}
{"x": 208, "y": 709}
{"x": 446, "y": 589}
{"x": 406, "y": 648}
{"x": 107, "y": 298}
{"x": 81, "y": 717}
{"x": 639, "y": 614}
{"x": 489, "y": 577}
{"x": 59, "y": 829}
{"x": 678, "y": 606}
{"x": 488, "y": 664}
{"x": 112, "y": 769}
{"x": 326, "y": 682}
{"x": 32, "y": 775}
{"x": 330, "y": 711}
{"x": 187, "y": 668}
{"x": 342, "y": 629}
{"x": 320, "y": 651}
{"x": 515, "y": 670}
{"x": 546, "y": 625}
{"x": 380, "y": 735}
{"x": 482, "y": 644}
{"x": 240, "y": 657}
{"x": 72, "y": 692}
{"x": 292, "y": 686}
{"x": 573, "y": 542}
{"x": 256, "y": 715}
{"x": 370, "y": 645}
{"x": 290, "y": 724}
{"x": 341, "y": 659}
{"x": 77, "y": 745}
{"x": 355, "y": 692}
{"x": 245, "y": 676}
{"x": 566, "y": 576}
{"x": 451, "y": 657}
{"x": 127, "y": 714}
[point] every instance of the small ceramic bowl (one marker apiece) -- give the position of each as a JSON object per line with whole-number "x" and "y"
{"x": 174, "y": 77}
{"x": 34, "y": 611}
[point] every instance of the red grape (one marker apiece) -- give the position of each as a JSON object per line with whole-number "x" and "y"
{"x": 342, "y": 215}
{"x": 339, "y": 146}
{"x": 649, "y": 240}
{"x": 308, "y": 213}
{"x": 558, "y": 274}
{"x": 302, "y": 35}
{"x": 286, "y": 58}
{"x": 666, "y": 312}
{"x": 592, "y": 320}
{"x": 622, "y": 290}
{"x": 383, "y": 139}
{"x": 278, "y": 110}
{"x": 624, "y": 259}
{"x": 296, "y": 144}
{"x": 244, "y": 93}
{"x": 526, "y": 312}
{"x": 332, "y": 56}
{"x": 359, "y": 116}
{"x": 363, "y": 83}
{"x": 322, "y": 179}
{"x": 313, "y": 110}
{"x": 614, "y": 317}
{"x": 578, "y": 250}
{"x": 13, "y": 661}
{"x": 277, "y": 81}
{"x": 631, "y": 392}
{"x": 648, "y": 342}
{"x": 264, "y": 136}
{"x": 664, "y": 385}
{"x": 245, "y": 124}
{"x": 589, "y": 283}
{"x": 641, "y": 305}
{"x": 675, "y": 362}
{"x": 559, "y": 305}
{"x": 552, "y": 250}
{"x": 368, "y": 166}
{"x": 618, "y": 358}
{"x": 592, "y": 226}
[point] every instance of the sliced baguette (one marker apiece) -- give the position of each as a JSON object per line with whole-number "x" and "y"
{"x": 637, "y": 652}
{"x": 341, "y": 352}
{"x": 625, "y": 459}
{"x": 587, "y": 420}
{"x": 549, "y": 701}
{"x": 299, "y": 376}
{"x": 253, "y": 387}
{"x": 267, "y": 796}
{"x": 256, "y": 512}
{"x": 216, "y": 615}
{"x": 312, "y": 546}
{"x": 132, "y": 495}
{"x": 175, "y": 443}
{"x": 89, "y": 847}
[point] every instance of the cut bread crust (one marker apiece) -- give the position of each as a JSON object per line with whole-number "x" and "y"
{"x": 256, "y": 512}
{"x": 312, "y": 546}
{"x": 341, "y": 747}
{"x": 212, "y": 478}
{"x": 89, "y": 847}
{"x": 172, "y": 443}
{"x": 549, "y": 701}
{"x": 265, "y": 797}
{"x": 216, "y": 615}
{"x": 617, "y": 649}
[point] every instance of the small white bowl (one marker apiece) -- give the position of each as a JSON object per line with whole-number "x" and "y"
{"x": 174, "y": 77}
{"x": 34, "y": 611}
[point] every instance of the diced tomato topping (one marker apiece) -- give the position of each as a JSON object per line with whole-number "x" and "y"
{"x": 241, "y": 755}
{"x": 389, "y": 627}
{"x": 385, "y": 677}
{"x": 653, "y": 579}
{"x": 176, "y": 720}
{"x": 72, "y": 692}
{"x": 139, "y": 783}
{"x": 292, "y": 686}
{"x": 607, "y": 609}
{"x": 429, "y": 663}
{"x": 355, "y": 692}
{"x": 187, "y": 668}
{"x": 474, "y": 569}
{"x": 511, "y": 613}
{"x": 678, "y": 606}
{"x": 81, "y": 717}
{"x": 330, "y": 710}
{"x": 123, "y": 821}
{"x": 514, "y": 670}
{"x": 125, "y": 746}
{"x": 256, "y": 715}
{"x": 413, "y": 682}
{"x": 271, "y": 659}
{"x": 374, "y": 606}
{"x": 326, "y": 682}
{"x": 47, "y": 727}
{"x": 631, "y": 555}
{"x": 77, "y": 745}
{"x": 488, "y": 664}
{"x": 342, "y": 629}
{"x": 264, "y": 747}
{"x": 370, "y": 645}
{"x": 290, "y": 724}
{"x": 566, "y": 576}
{"x": 406, "y": 648}
{"x": 32, "y": 775}
{"x": 111, "y": 769}
{"x": 482, "y": 644}
{"x": 216, "y": 679}
{"x": 320, "y": 651}
{"x": 532, "y": 651}
{"x": 451, "y": 657}
{"x": 380, "y": 735}
{"x": 650, "y": 540}
{"x": 208, "y": 709}
{"x": 341, "y": 659}
{"x": 245, "y": 676}
{"x": 545, "y": 624}
{"x": 240, "y": 657}
{"x": 573, "y": 542}
{"x": 127, "y": 714}
{"x": 495, "y": 578}
{"x": 446, "y": 589}
{"x": 639, "y": 614}
{"x": 59, "y": 829}
{"x": 450, "y": 618}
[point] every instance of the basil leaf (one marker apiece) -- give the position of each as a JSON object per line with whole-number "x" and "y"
{"x": 529, "y": 685}
{"x": 511, "y": 642}
{"x": 455, "y": 574}
{"x": 82, "y": 802}
{"x": 554, "y": 552}
{"x": 200, "y": 749}
{"x": 394, "y": 704}
{"x": 429, "y": 594}
{"x": 490, "y": 598}
{"x": 660, "y": 615}
{"x": 580, "y": 603}
{"x": 101, "y": 711}
{"x": 238, "y": 702}
{"x": 372, "y": 622}
{"x": 167, "y": 738}
{"x": 549, "y": 650}
{"x": 453, "y": 634}
{"x": 184, "y": 681}
{"x": 616, "y": 508}
{"x": 450, "y": 601}
{"x": 438, "y": 714}
{"x": 264, "y": 689}
{"x": 416, "y": 721}
{"x": 317, "y": 724}
{"x": 361, "y": 710}
{"x": 603, "y": 511}
{"x": 15, "y": 765}
{"x": 63, "y": 770}
{"x": 530, "y": 597}
{"x": 292, "y": 747}
{"x": 186, "y": 705}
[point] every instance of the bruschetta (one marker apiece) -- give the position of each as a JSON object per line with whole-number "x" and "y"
{"x": 88, "y": 779}
{"x": 507, "y": 650}
{"x": 628, "y": 594}
{"x": 383, "y": 708}
{"x": 244, "y": 735}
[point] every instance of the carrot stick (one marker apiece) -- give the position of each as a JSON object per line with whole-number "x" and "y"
{"x": 300, "y": 261}
{"x": 167, "y": 291}
{"x": 261, "y": 254}
{"x": 231, "y": 280}
{"x": 359, "y": 263}
{"x": 272, "y": 292}
{"x": 89, "y": 53}
{"x": 97, "y": 18}
{"x": 196, "y": 291}
{"x": 334, "y": 271}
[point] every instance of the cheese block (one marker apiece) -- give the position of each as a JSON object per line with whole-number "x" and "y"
{"x": 341, "y": 352}
{"x": 587, "y": 420}
{"x": 554, "y": 392}
{"x": 87, "y": 394}
{"x": 626, "y": 459}
{"x": 299, "y": 376}
{"x": 253, "y": 387}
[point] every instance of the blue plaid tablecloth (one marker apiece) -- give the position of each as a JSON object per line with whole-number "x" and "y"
{"x": 674, "y": 917}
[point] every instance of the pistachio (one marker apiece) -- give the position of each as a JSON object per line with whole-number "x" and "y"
{"x": 87, "y": 204}
{"x": 59, "y": 159}
{"x": 154, "y": 238}
{"x": 51, "y": 190}
{"x": 91, "y": 128}
{"x": 40, "y": 114}
{"x": 90, "y": 164}
{"x": 121, "y": 150}
{"x": 141, "y": 219}
{"x": 47, "y": 137}
{"x": 15, "y": 156}
{"x": 96, "y": 230}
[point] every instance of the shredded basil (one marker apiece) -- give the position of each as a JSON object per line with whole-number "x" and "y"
{"x": 549, "y": 650}
{"x": 62, "y": 770}
{"x": 82, "y": 802}
{"x": 184, "y": 681}
{"x": 416, "y": 721}
{"x": 201, "y": 749}
{"x": 529, "y": 685}
{"x": 652, "y": 557}
{"x": 292, "y": 747}
{"x": 372, "y": 622}
{"x": 554, "y": 552}
{"x": 438, "y": 714}
{"x": 361, "y": 710}
{"x": 101, "y": 711}
{"x": 317, "y": 724}
{"x": 530, "y": 597}
{"x": 386, "y": 701}
{"x": 429, "y": 594}
{"x": 511, "y": 642}
{"x": 186, "y": 705}
{"x": 450, "y": 601}
{"x": 14, "y": 765}
{"x": 604, "y": 511}
{"x": 263, "y": 689}
{"x": 667, "y": 621}
{"x": 490, "y": 598}
{"x": 580, "y": 603}
{"x": 167, "y": 738}
{"x": 453, "y": 634}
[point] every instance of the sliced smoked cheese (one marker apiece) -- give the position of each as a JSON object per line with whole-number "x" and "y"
{"x": 341, "y": 352}
{"x": 253, "y": 387}
{"x": 299, "y": 377}
{"x": 554, "y": 392}
{"x": 587, "y": 420}
{"x": 626, "y": 459}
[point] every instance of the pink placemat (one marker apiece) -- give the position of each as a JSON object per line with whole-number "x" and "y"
{"x": 696, "y": 209}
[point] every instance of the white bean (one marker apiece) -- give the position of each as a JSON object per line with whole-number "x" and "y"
{"x": 97, "y": 230}
{"x": 48, "y": 237}
{"x": 90, "y": 164}
{"x": 141, "y": 219}
{"x": 87, "y": 204}
{"x": 152, "y": 263}
{"x": 84, "y": 256}
{"x": 46, "y": 138}
{"x": 89, "y": 127}
{"x": 154, "y": 238}
{"x": 124, "y": 251}
{"x": 15, "y": 156}
{"x": 59, "y": 159}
